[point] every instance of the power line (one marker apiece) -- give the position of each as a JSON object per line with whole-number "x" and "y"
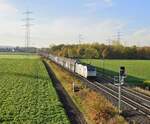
{"x": 118, "y": 36}
{"x": 80, "y": 38}
{"x": 109, "y": 41}
{"x": 27, "y": 26}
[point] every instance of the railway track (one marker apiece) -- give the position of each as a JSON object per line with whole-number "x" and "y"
{"x": 136, "y": 102}
{"x": 131, "y": 99}
{"x": 143, "y": 99}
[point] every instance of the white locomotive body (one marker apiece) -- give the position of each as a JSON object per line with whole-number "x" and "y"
{"x": 85, "y": 70}
{"x": 81, "y": 70}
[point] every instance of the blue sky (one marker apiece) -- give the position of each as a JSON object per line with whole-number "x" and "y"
{"x": 60, "y": 21}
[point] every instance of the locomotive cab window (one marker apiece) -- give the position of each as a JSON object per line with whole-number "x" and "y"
{"x": 90, "y": 68}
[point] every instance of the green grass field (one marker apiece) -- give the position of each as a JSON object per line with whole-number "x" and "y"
{"x": 137, "y": 70}
{"x": 18, "y": 56}
{"x": 27, "y": 95}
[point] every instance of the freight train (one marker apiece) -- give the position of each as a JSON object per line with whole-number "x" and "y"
{"x": 84, "y": 70}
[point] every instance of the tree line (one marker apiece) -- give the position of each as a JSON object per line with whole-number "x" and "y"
{"x": 96, "y": 51}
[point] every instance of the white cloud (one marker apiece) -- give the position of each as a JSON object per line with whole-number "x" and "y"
{"x": 95, "y": 4}
{"x": 6, "y": 7}
{"x": 10, "y": 30}
{"x": 11, "y": 33}
{"x": 108, "y": 1}
{"x": 66, "y": 30}
{"x": 141, "y": 36}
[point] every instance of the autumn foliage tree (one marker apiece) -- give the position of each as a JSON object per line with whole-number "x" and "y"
{"x": 95, "y": 51}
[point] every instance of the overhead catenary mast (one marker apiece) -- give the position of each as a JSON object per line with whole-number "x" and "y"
{"x": 27, "y": 26}
{"x": 78, "y": 45}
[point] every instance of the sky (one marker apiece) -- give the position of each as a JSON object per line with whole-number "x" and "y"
{"x": 61, "y": 21}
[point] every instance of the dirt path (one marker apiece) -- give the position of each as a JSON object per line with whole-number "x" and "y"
{"x": 75, "y": 116}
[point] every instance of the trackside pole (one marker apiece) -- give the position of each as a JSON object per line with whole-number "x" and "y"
{"x": 73, "y": 87}
{"x": 122, "y": 75}
{"x": 119, "y": 95}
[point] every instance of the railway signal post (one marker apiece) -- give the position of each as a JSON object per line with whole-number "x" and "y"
{"x": 122, "y": 75}
{"x": 119, "y": 102}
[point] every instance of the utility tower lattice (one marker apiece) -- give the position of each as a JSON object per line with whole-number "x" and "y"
{"x": 80, "y": 36}
{"x": 119, "y": 36}
{"x": 109, "y": 41}
{"x": 27, "y": 27}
